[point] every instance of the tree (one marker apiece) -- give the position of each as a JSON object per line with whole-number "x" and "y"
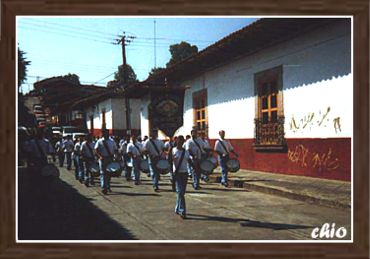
{"x": 181, "y": 51}
{"x": 72, "y": 77}
{"x": 22, "y": 67}
{"x": 156, "y": 70}
{"x": 131, "y": 76}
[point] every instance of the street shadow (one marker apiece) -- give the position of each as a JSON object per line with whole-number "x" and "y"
{"x": 226, "y": 190}
{"x": 247, "y": 222}
{"x": 119, "y": 186}
{"x": 133, "y": 194}
{"x": 258, "y": 180}
{"x": 56, "y": 211}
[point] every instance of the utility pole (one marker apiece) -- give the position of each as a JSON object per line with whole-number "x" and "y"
{"x": 155, "y": 45}
{"x": 123, "y": 40}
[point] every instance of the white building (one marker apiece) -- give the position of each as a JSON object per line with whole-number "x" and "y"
{"x": 108, "y": 110}
{"x": 282, "y": 89}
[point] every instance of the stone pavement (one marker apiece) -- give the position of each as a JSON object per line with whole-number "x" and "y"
{"x": 313, "y": 190}
{"x": 68, "y": 210}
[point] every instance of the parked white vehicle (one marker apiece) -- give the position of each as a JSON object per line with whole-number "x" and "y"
{"x": 73, "y": 131}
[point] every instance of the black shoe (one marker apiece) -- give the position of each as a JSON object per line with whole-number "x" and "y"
{"x": 104, "y": 192}
{"x": 80, "y": 180}
{"x": 183, "y": 216}
{"x": 225, "y": 184}
{"x": 156, "y": 189}
{"x": 197, "y": 188}
{"x": 86, "y": 184}
{"x": 109, "y": 190}
{"x": 136, "y": 183}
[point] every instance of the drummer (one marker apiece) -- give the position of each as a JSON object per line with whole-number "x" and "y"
{"x": 154, "y": 148}
{"x": 193, "y": 145}
{"x": 123, "y": 150}
{"x": 68, "y": 148}
{"x": 76, "y": 159}
{"x": 206, "y": 152}
{"x": 88, "y": 158}
{"x": 181, "y": 159}
{"x": 105, "y": 148}
{"x": 134, "y": 149}
{"x": 38, "y": 149}
{"x": 223, "y": 148}
{"x": 168, "y": 146}
{"x": 59, "y": 148}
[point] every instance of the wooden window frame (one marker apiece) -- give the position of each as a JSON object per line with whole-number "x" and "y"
{"x": 200, "y": 106}
{"x": 270, "y": 134}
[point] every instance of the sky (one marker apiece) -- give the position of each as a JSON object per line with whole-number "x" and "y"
{"x": 86, "y": 46}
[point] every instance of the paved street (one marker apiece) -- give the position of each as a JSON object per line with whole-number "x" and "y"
{"x": 71, "y": 211}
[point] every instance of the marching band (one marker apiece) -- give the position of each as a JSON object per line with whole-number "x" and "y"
{"x": 105, "y": 158}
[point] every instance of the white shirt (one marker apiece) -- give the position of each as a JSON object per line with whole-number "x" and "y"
{"x": 59, "y": 146}
{"x": 68, "y": 145}
{"x": 85, "y": 151}
{"x": 135, "y": 150}
{"x": 221, "y": 149}
{"x": 193, "y": 148}
{"x": 123, "y": 146}
{"x": 176, "y": 153}
{"x": 77, "y": 148}
{"x": 148, "y": 146}
{"x": 33, "y": 149}
{"x": 110, "y": 143}
{"x": 205, "y": 143}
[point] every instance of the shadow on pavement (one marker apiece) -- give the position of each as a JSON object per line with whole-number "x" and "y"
{"x": 133, "y": 194}
{"x": 247, "y": 222}
{"x": 56, "y": 211}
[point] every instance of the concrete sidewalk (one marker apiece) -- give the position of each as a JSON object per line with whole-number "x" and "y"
{"x": 313, "y": 190}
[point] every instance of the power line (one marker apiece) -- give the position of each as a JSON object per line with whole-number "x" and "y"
{"x": 105, "y": 77}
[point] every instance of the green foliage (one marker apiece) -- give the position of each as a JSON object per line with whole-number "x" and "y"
{"x": 181, "y": 51}
{"x": 156, "y": 70}
{"x": 72, "y": 77}
{"x": 130, "y": 74}
{"x": 22, "y": 67}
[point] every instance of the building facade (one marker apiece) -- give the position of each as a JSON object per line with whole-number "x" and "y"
{"x": 286, "y": 105}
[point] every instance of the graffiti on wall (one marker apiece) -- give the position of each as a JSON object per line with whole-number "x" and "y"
{"x": 320, "y": 119}
{"x": 306, "y": 158}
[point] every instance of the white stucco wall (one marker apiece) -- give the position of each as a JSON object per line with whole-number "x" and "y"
{"x": 96, "y": 111}
{"x": 317, "y": 87}
{"x": 144, "y": 116}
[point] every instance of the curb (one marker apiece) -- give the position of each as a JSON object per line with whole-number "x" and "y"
{"x": 286, "y": 194}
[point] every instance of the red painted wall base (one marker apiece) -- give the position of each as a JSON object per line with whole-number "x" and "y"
{"x": 114, "y": 132}
{"x": 322, "y": 158}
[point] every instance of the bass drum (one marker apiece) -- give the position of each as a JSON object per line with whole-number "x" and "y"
{"x": 94, "y": 170}
{"x": 144, "y": 166}
{"x": 50, "y": 170}
{"x": 163, "y": 166}
{"x": 233, "y": 165}
{"x": 114, "y": 169}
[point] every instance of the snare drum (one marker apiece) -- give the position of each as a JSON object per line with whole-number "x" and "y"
{"x": 50, "y": 170}
{"x": 144, "y": 166}
{"x": 233, "y": 165}
{"x": 163, "y": 166}
{"x": 114, "y": 169}
{"x": 94, "y": 169}
{"x": 206, "y": 166}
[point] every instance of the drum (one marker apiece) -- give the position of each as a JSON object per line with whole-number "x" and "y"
{"x": 114, "y": 169}
{"x": 50, "y": 170}
{"x": 163, "y": 166}
{"x": 94, "y": 169}
{"x": 214, "y": 162}
{"x": 233, "y": 165}
{"x": 144, "y": 166}
{"x": 208, "y": 164}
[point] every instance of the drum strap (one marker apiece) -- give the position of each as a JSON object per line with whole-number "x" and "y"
{"x": 222, "y": 144}
{"x": 196, "y": 143}
{"x": 138, "y": 149}
{"x": 179, "y": 164}
{"x": 155, "y": 146}
{"x": 107, "y": 148}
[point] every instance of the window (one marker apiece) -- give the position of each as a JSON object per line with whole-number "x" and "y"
{"x": 269, "y": 117}
{"x": 200, "y": 111}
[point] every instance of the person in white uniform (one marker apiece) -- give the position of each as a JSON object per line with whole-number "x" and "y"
{"x": 134, "y": 149}
{"x": 105, "y": 149}
{"x": 223, "y": 148}
{"x": 181, "y": 159}
{"x": 154, "y": 148}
